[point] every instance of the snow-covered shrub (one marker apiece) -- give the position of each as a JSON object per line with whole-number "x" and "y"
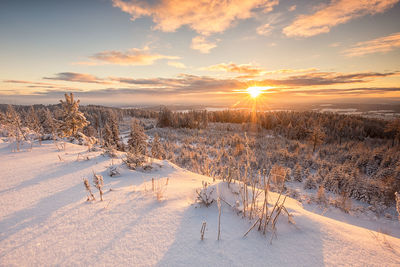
{"x": 310, "y": 182}
{"x": 113, "y": 171}
{"x": 205, "y": 195}
{"x": 342, "y": 202}
{"x": 110, "y": 152}
{"x": 134, "y": 160}
{"x": 157, "y": 150}
{"x": 297, "y": 173}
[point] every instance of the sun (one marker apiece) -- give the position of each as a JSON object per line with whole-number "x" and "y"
{"x": 255, "y": 91}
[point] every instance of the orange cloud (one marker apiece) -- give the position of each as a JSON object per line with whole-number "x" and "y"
{"x": 379, "y": 45}
{"x": 203, "y": 16}
{"x": 335, "y": 13}
{"x": 234, "y": 68}
{"x": 133, "y": 56}
{"x": 291, "y": 71}
{"x": 202, "y": 44}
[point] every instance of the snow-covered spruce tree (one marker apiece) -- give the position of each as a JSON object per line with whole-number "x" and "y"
{"x": 110, "y": 132}
{"x": 108, "y": 138}
{"x": 137, "y": 145}
{"x": 48, "y": 123}
{"x": 157, "y": 150}
{"x": 72, "y": 119}
{"x": 33, "y": 123}
{"x": 12, "y": 122}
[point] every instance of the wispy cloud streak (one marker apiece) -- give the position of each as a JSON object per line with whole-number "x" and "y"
{"x": 335, "y": 13}
{"x": 378, "y": 45}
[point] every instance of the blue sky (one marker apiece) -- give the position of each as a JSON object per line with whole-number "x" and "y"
{"x": 167, "y": 51}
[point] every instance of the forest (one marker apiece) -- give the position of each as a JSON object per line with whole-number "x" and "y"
{"x": 347, "y": 156}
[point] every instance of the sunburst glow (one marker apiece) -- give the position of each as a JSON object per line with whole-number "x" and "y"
{"x": 255, "y": 91}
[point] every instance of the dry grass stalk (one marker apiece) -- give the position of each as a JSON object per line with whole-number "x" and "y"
{"x": 98, "y": 183}
{"x": 278, "y": 212}
{"x": 272, "y": 212}
{"x": 159, "y": 188}
{"x": 251, "y": 228}
{"x": 264, "y": 212}
{"x": 87, "y": 186}
{"x": 202, "y": 230}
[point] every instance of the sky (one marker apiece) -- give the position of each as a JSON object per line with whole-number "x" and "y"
{"x": 134, "y": 52}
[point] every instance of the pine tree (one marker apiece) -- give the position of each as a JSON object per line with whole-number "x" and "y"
{"x": 111, "y": 138}
{"x": 108, "y": 138}
{"x": 157, "y": 150}
{"x": 165, "y": 118}
{"x": 137, "y": 146}
{"x": 316, "y": 137}
{"x": 137, "y": 142}
{"x": 72, "y": 119}
{"x": 393, "y": 128}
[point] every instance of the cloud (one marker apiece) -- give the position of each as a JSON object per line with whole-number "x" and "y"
{"x": 336, "y": 44}
{"x": 176, "y": 64}
{"x": 335, "y": 13}
{"x": 200, "y": 43}
{"x": 184, "y": 84}
{"x": 235, "y": 68}
{"x": 291, "y": 71}
{"x": 326, "y": 78}
{"x": 203, "y": 16}
{"x": 77, "y": 77}
{"x": 206, "y": 82}
{"x": 292, "y": 8}
{"x": 192, "y": 88}
{"x": 189, "y": 84}
{"x": 264, "y": 29}
{"x": 41, "y": 85}
{"x": 270, "y": 23}
{"x": 29, "y": 82}
{"x": 131, "y": 57}
{"x": 378, "y": 45}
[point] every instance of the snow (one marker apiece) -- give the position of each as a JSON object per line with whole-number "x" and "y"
{"x": 46, "y": 220}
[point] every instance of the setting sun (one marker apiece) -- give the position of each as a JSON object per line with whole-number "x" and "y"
{"x": 255, "y": 91}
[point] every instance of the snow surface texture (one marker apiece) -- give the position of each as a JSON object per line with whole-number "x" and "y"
{"x": 46, "y": 220}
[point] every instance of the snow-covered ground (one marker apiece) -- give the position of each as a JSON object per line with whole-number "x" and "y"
{"x": 46, "y": 220}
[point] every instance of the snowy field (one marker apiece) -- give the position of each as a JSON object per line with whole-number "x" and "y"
{"x": 45, "y": 220}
